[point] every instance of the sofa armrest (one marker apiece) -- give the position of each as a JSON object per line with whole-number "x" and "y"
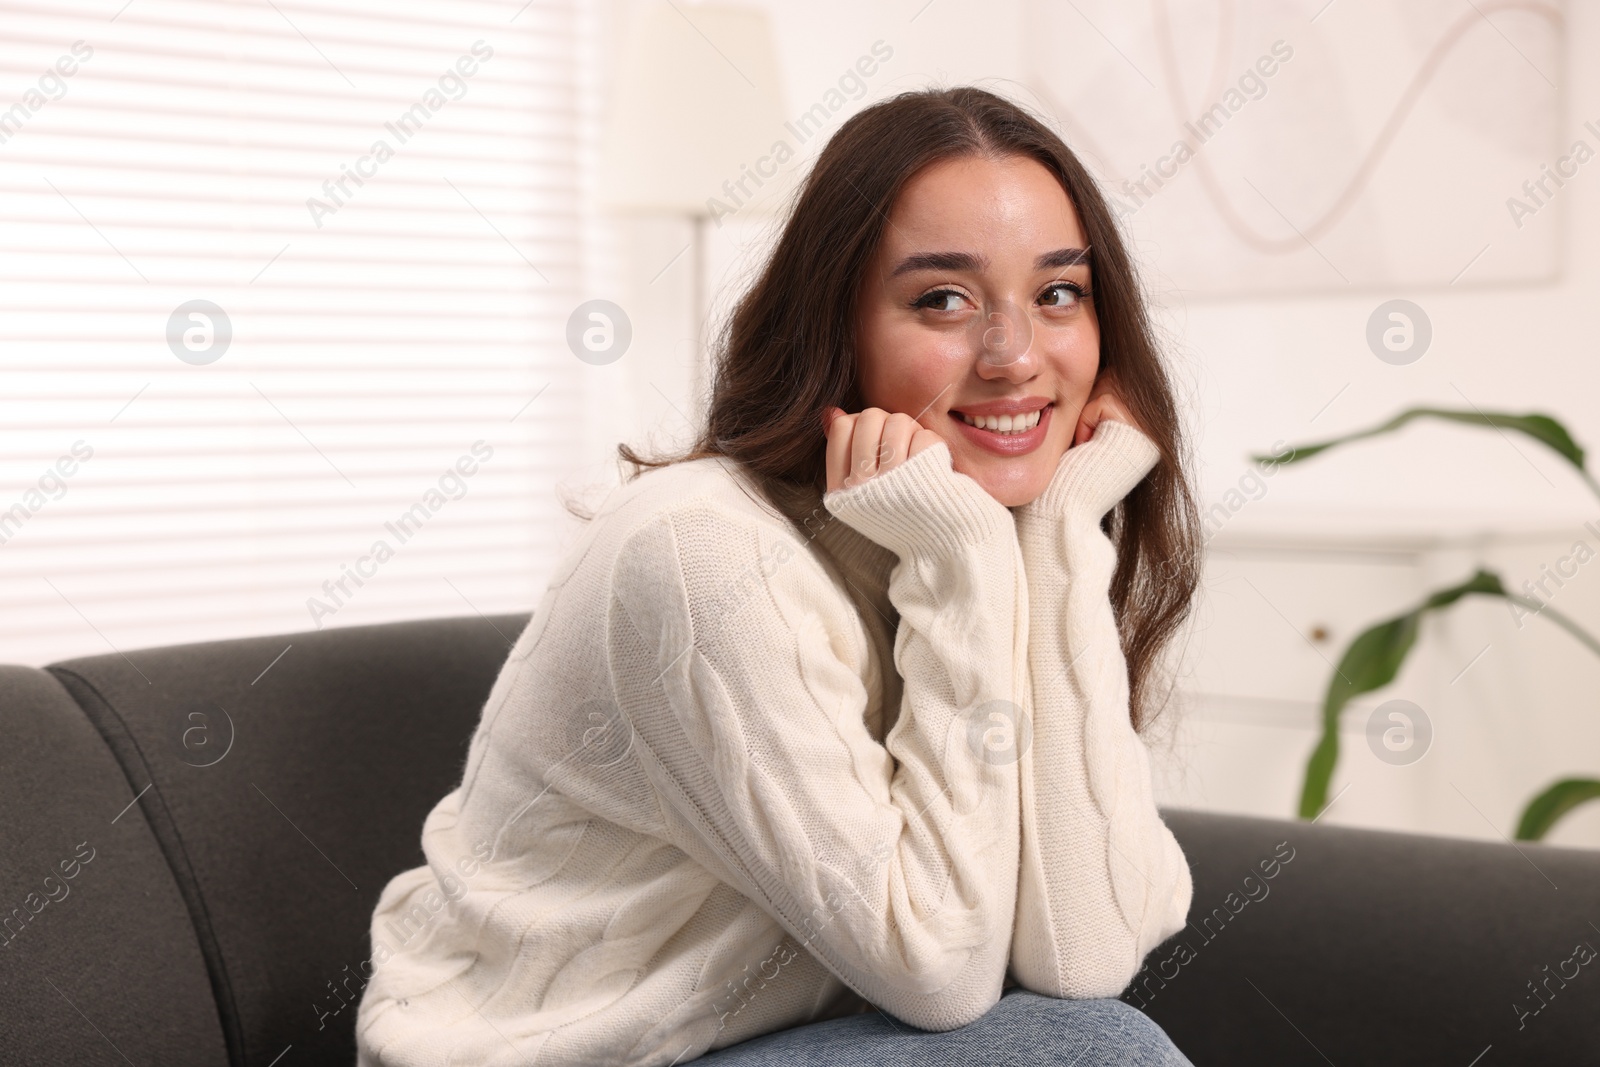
{"x": 99, "y": 960}
{"x": 289, "y": 778}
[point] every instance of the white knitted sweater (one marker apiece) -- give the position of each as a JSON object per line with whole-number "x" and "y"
{"x": 753, "y": 766}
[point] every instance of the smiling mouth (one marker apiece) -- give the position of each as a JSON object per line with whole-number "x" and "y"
{"x": 1024, "y": 435}
{"x": 1003, "y": 425}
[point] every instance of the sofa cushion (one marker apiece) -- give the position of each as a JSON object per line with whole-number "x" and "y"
{"x": 99, "y": 962}
{"x": 291, "y": 778}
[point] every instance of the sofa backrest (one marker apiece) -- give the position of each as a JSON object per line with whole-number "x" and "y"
{"x": 288, "y": 781}
{"x": 1311, "y": 944}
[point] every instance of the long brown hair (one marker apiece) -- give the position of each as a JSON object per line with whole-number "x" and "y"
{"x": 780, "y": 361}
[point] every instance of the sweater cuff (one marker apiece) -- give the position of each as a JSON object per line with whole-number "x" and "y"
{"x": 922, "y": 506}
{"x": 1093, "y": 476}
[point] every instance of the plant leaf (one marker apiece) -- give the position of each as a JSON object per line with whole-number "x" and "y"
{"x": 1374, "y": 658}
{"x": 1546, "y": 809}
{"x": 1541, "y": 428}
{"x": 1371, "y": 662}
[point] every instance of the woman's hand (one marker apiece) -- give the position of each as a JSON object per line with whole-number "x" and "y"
{"x": 1104, "y": 403}
{"x": 869, "y": 443}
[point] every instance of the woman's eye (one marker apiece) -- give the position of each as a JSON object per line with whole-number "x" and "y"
{"x": 1062, "y": 294}
{"x": 938, "y": 300}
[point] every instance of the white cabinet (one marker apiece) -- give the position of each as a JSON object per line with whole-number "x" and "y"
{"x": 1513, "y": 703}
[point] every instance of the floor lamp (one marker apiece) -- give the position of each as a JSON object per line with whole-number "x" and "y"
{"x": 694, "y": 104}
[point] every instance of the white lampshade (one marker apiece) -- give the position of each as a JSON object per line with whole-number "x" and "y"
{"x": 696, "y": 97}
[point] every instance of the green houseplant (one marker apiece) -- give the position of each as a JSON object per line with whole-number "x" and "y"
{"x": 1374, "y": 657}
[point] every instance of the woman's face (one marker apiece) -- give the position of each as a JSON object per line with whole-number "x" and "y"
{"x": 978, "y": 303}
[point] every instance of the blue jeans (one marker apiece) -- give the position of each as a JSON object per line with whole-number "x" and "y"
{"x": 1023, "y": 1028}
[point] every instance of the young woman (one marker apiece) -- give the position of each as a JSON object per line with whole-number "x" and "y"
{"x": 822, "y": 742}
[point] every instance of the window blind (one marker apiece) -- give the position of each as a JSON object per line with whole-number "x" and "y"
{"x": 284, "y": 288}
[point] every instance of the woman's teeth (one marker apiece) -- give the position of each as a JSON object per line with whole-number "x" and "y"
{"x": 1003, "y": 423}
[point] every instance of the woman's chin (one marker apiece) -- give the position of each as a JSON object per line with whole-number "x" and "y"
{"x": 1013, "y": 481}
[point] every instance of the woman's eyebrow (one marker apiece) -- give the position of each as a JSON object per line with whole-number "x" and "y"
{"x": 940, "y": 261}
{"x": 1061, "y": 257}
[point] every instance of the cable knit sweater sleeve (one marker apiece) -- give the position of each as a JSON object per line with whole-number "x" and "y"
{"x": 893, "y": 864}
{"x": 1103, "y": 881}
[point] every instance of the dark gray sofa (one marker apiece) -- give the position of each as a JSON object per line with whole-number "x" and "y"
{"x": 193, "y": 848}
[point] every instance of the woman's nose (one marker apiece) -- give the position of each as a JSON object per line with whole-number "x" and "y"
{"x": 1002, "y": 340}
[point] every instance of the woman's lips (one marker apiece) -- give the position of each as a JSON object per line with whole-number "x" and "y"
{"x": 1009, "y": 444}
